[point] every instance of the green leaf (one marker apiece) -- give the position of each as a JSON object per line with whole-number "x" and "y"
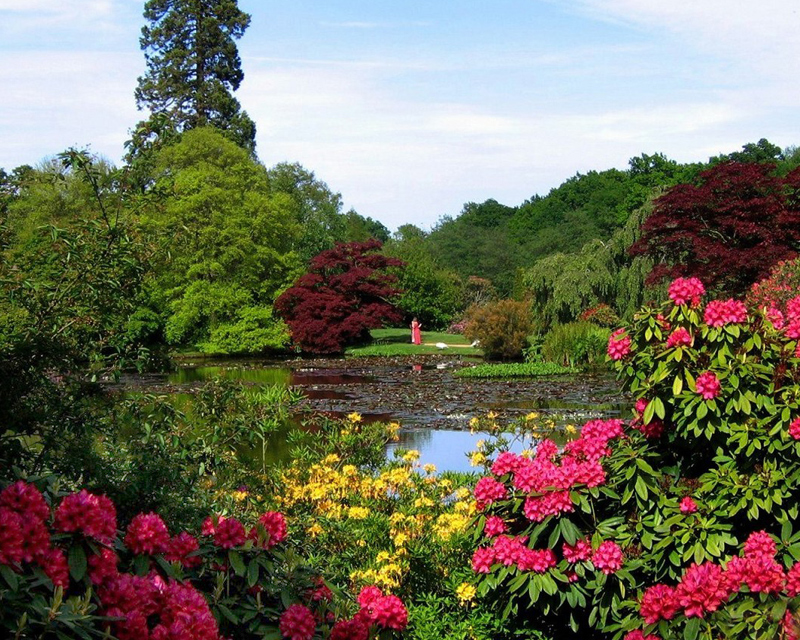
{"x": 677, "y": 386}
{"x": 77, "y": 562}
{"x": 692, "y": 629}
{"x": 236, "y": 562}
{"x": 252, "y": 574}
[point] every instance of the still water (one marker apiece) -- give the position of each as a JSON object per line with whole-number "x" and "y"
{"x": 432, "y": 405}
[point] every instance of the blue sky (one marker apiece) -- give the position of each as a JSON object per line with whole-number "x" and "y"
{"x": 410, "y": 109}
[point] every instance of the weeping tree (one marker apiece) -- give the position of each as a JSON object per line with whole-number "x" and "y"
{"x": 563, "y": 285}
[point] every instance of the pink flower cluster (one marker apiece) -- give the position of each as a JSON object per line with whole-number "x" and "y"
{"x": 84, "y": 512}
{"x": 513, "y": 550}
{"x": 608, "y": 557}
{"x": 679, "y": 338}
{"x": 274, "y": 525}
{"x": 705, "y": 587}
{"x": 686, "y": 291}
{"x": 298, "y": 623}
{"x": 719, "y": 313}
{"x": 386, "y": 611}
{"x": 25, "y": 538}
{"x": 494, "y": 526}
{"x": 707, "y": 385}
{"x": 147, "y": 534}
{"x": 149, "y": 608}
{"x": 794, "y": 429}
{"x": 619, "y": 345}
{"x": 488, "y": 490}
{"x": 688, "y": 505}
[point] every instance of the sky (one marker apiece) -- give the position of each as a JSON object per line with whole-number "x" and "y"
{"x": 411, "y": 109}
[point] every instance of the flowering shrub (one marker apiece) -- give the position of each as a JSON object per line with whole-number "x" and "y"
{"x": 69, "y": 573}
{"x": 635, "y": 528}
{"x": 601, "y": 315}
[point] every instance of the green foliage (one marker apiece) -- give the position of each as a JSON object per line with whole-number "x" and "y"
{"x": 576, "y": 344}
{"x": 514, "y": 370}
{"x": 193, "y": 67}
{"x": 226, "y": 246}
{"x": 430, "y": 293}
{"x": 501, "y": 328}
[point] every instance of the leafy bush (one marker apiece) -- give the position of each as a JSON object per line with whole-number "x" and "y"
{"x": 513, "y": 370}
{"x": 602, "y": 315}
{"x": 681, "y": 523}
{"x": 501, "y": 327}
{"x": 782, "y": 284}
{"x": 575, "y": 344}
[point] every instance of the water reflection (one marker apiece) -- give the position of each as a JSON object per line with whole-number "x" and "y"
{"x": 445, "y": 448}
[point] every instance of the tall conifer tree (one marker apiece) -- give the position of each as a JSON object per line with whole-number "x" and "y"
{"x": 193, "y": 67}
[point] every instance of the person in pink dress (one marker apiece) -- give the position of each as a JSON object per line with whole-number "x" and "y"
{"x": 416, "y": 335}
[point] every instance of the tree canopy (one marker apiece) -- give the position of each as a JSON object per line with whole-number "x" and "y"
{"x": 193, "y": 67}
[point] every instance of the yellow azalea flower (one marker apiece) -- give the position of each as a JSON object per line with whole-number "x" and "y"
{"x": 570, "y": 428}
{"x": 411, "y": 456}
{"x": 331, "y": 459}
{"x": 480, "y": 444}
{"x": 361, "y": 543}
{"x": 345, "y": 432}
{"x": 527, "y": 453}
{"x": 462, "y": 493}
{"x": 400, "y": 539}
{"x": 466, "y": 592}
{"x": 383, "y": 556}
{"x": 349, "y": 470}
{"x": 477, "y": 458}
{"x": 474, "y": 422}
{"x": 429, "y": 468}
{"x": 532, "y": 416}
{"x": 357, "y": 513}
{"x": 354, "y": 417}
{"x": 315, "y": 530}
{"x": 239, "y": 495}
{"x": 423, "y": 502}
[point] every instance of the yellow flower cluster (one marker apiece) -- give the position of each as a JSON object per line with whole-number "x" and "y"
{"x": 466, "y": 592}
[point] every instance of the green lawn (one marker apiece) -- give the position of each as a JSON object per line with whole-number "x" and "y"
{"x": 514, "y": 370}
{"x": 397, "y": 342}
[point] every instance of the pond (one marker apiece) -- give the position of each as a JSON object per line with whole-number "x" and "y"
{"x": 433, "y": 406}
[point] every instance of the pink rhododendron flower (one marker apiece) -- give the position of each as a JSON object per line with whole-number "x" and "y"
{"x": 688, "y": 505}
{"x": 389, "y": 612}
{"x": 353, "y": 629}
{"x": 793, "y": 581}
{"x": 180, "y": 548}
{"x": 488, "y": 490}
{"x": 274, "y": 524}
{"x": 760, "y": 543}
{"x": 607, "y": 557}
{"x": 368, "y": 595}
{"x": 537, "y": 560}
{"x": 494, "y": 526}
{"x": 11, "y": 536}
{"x": 686, "y": 291}
{"x": 702, "y": 589}
{"x": 708, "y": 385}
{"x": 25, "y": 499}
{"x": 509, "y": 550}
{"x": 103, "y": 566}
{"x": 297, "y": 623}
{"x": 580, "y": 551}
{"x": 679, "y": 338}
{"x": 229, "y": 533}
{"x": 483, "y": 559}
{"x": 619, "y": 345}
{"x": 537, "y": 508}
{"x": 638, "y": 634}
{"x": 94, "y": 516}
{"x": 775, "y": 317}
{"x": 54, "y": 563}
{"x": 506, "y": 462}
{"x": 147, "y": 534}
{"x": 658, "y": 602}
{"x": 719, "y": 313}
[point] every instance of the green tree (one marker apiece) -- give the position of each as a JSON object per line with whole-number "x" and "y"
{"x": 226, "y": 246}
{"x": 193, "y": 67}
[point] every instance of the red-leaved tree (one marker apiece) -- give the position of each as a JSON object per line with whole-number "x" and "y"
{"x": 346, "y": 292}
{"x": 728, "y": 229}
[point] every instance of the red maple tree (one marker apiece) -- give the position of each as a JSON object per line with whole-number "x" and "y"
{"x": 728, "y": 229}
{"x": 346, "y": 292}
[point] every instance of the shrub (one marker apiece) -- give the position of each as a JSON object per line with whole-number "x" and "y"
{"x": 681, "y": 523}
{"x": 602, "y": 315}
{"x": 775, "y": 291}
{"x": 575, "y": 344}
{"x": 502, "y": 328}
{"x": 514, "y": 370}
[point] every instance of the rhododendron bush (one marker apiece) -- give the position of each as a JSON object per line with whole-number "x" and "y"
{"x": 66, "y": 572}
{"x": 679, "y": 522}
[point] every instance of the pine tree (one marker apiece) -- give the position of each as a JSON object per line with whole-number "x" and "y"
{"x": 193, "y": 66}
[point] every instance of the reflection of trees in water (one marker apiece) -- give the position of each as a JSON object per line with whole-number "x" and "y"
{"x": 267, "y": 376}
{"x": 413, "y": 439}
